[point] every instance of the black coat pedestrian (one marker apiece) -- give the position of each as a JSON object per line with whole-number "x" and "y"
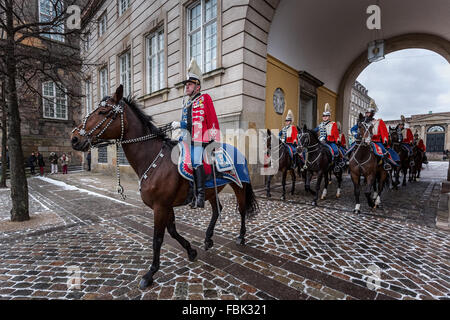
{"x": 32, "y": 161}
{"x": 40, "y": 160}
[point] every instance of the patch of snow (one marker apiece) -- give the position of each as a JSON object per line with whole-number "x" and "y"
{"x": 66, "y": 186}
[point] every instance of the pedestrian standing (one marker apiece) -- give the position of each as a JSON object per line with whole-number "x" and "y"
{"x": 64, "y": 162}
{"x": 32, "y": 163}
{"x": 88, "y": 159}
{"x": 41, "y": 163}
{"x": 54, "y": 162}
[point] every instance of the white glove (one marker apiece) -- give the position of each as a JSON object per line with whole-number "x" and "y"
{"x": 176, "y": 125}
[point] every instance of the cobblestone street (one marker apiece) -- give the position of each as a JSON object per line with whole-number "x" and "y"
{"x": 293, "y": 250}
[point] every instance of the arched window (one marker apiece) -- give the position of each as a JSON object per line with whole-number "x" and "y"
{"x": 436, "y": 129}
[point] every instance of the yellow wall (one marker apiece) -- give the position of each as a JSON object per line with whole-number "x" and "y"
{"x": 324, "y": 96}
{"x": 281, "y": 76}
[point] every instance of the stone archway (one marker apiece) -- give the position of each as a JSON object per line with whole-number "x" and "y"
{"x": 407, "y": 41}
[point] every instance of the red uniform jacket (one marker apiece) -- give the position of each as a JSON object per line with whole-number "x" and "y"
{"x": 421, "y": 146}
{"x": 332, "y": 132}
{"x": 205, "y": 126}
{"x": 342, "y": 140}
{"x": 408, "y": 137}
{"x": 380, "y": 132}
{"x": 291, "y": 136}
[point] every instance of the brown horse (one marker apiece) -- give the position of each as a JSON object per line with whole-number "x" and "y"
{"x": 285, "y": 164}
{"x": 318, "y": 159}
{"x": 415, "y": 170}
{"x": 363, "y": 162}
{"x": 405, "y": 161}
{"x": 148, "y": 151}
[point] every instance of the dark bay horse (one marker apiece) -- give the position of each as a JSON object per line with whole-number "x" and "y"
{"x": 318, "y": 159}
{"x": 364, "y": 163}
{"x": 148, "y": 151}
{"x": 405, "y": 161}
{"x": 285, "y": 163}
{"x": 417, "y": 167}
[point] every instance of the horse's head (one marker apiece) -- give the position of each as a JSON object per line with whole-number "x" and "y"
{"x": 104, "y": 123}
{"x": 393, "y": 134}
{"x": 307, "y": 138}
{"x": 365, "y": 130}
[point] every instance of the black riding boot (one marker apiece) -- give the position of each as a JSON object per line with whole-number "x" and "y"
{"x": 386, "y": 165}
{"x": 425, "y": 159}
{"x": 199, "y": 181}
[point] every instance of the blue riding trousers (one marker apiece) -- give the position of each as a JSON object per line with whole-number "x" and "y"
{"x": 196, "y": 156}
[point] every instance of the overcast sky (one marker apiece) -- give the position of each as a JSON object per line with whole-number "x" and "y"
{"x": 413, "y": 81}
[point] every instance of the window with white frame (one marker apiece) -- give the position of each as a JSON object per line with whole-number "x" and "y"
{"x": 125, "y": 73}
{"x": 48, "y": 11}
{"x": 202, "y": 34}
{"x": 54, "y": 101}
{"x": 103, "y": 82}
{"x": 155, "y": 61}
{"x": 88, "y": 95}
{"x": 102, "y": 24}
{"x": 103, "y": 155}
{"x": 86, "y": 41}
{"x": 123, "y": 6}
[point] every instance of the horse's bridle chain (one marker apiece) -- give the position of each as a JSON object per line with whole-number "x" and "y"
{"x": 117, "y": 109}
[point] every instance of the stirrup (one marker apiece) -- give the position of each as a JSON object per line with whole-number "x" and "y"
{"x": 387, "y": 166}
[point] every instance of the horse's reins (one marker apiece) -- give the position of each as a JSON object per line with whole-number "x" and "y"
{"x": 308, "y": 150}
{"x": 117, "y": 109}
{"x": 353, "y": 158}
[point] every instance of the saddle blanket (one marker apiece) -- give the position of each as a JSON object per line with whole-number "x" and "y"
{"x": 231, "y": 166}
{"x": 291, "y": 149}
{"x": 408, "y": 149}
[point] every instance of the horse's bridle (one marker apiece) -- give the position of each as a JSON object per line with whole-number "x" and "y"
{"x": 116, "y": 110}
{"x": 308, "y": 147}
{"x": 363, "y": 142}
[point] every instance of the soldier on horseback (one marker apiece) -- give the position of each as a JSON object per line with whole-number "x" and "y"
{"x": 329, "y": 135}
{"x": 289, "y": 135}
{"x": 199, "y": 119}
{"x": 421, "y": 146}
{"x": 380, "y": 139}
{"x": 405, "y": 136}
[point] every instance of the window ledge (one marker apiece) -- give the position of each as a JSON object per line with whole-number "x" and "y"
{"x": 154, "y": 94}
{"x": 205, "y": 76}
{"x": 213, "y": 73}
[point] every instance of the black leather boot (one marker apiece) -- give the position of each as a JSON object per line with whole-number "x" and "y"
{"x": 199, "y": 182}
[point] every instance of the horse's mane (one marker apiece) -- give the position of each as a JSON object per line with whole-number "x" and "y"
{"x": 145, "y": 119}
{"x": 311, "y": 132}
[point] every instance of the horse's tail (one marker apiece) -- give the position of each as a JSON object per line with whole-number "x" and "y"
{"x": 251, "y": 205}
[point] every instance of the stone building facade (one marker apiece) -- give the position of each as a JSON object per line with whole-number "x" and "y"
{"x": 147, "y": 46}
{"x": 360, "y": 102}
{"x": 433, "y": 128}
{"x": 255, "y": 67}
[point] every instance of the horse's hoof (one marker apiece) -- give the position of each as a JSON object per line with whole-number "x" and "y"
{"x": 208, "y": 244}
{"x": 192, "y": 256}
{"x": 314, "y": 203}
{"x": 144, "y": 284}
{"x": 356, "y": 211}
{"x": 240, "y": 241}
{"x": 268, "y": 195}
{"x": 283, "y": 198}
{"x": 338, "y": 196}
